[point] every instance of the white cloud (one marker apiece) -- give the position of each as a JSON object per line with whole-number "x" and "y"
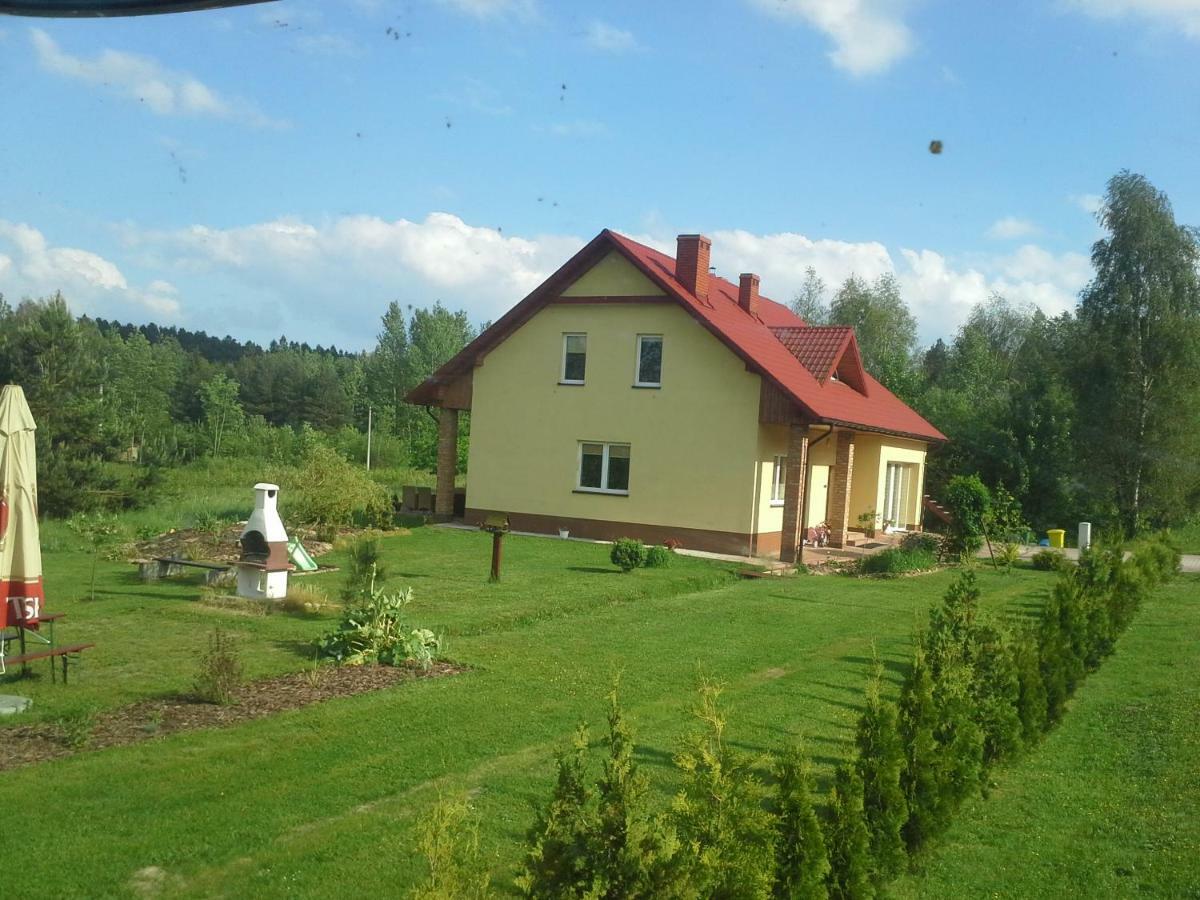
{"x": 494, "y": 9}
{"x": 142, "y": 79}
{"x": 940, "y": 290}
{"x": 1181, "y": 14}
{"x": 1089, "y": 203}
{"x": 869, "y": 36}
{"x": 609, "y": 38}
{"x": 329, "y": 281}
{"x": 334, "y": 278}
{"x": 1011, "y": 227}
{"x": 31, "y": 266}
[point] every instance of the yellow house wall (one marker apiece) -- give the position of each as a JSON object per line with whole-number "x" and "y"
{"x": 872, "y": 453}
{"x": 613, "y": 276}
{"x": 694, "y": 441}
{"x": 773, "y": 439}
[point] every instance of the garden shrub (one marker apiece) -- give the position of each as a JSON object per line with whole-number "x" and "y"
{"x": 922, "y": 759}
{"x": 847, "y": 838}
{"x": 922, "y": 541}
{"x": 1031, "y": 690}
{"x": 375, "y": 630}
{"x": 448, "y": 839}
{"x": 995, "y": 692}
{"x": 332, "y": 493}
{"x": 221, "y": 672}
{"x": 557, "y": 861}
{"x": 896, "y": 561}
{"x": 601, "y": 840}
{"x": 628, "y": 554}
{"x": 801, "y": 860}
{"x": 658, "y": 557}
{"x": 363, "y": 569}
{"x": 968, "y": 500}
{"x": 1050, "y": 561}
{"x": 727, "y": 836}
{"x": 880, "y": 762}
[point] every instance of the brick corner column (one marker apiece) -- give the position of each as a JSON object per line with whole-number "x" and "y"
{"x": 447, "y": 462}
{"x": 793, "y": 493}
{"x": 839, "y": 491}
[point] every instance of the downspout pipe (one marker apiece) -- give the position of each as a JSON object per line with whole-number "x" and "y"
{"x": 807, "y": 485}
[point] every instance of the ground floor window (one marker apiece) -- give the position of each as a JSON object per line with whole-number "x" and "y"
{"x": 897, "y": 492}
{"x": 603, "y": 467}
{"x": 777, "y": 476}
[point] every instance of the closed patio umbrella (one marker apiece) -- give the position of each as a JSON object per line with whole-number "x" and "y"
{"x": 21, "y": 595}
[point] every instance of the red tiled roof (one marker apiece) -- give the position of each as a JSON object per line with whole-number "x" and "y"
{"x": 818, "y": 347}
{"x": 753, "y": 338}
{"x": 787, "y": 362}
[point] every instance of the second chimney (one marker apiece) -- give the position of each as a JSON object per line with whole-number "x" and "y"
{"x": 748, "y": 293}
{"x": 691, "y": 263}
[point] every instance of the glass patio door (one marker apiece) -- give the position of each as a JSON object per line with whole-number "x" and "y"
{"x": 896, "y": 489}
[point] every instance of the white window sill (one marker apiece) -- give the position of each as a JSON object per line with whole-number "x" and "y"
{"x": 777, "y": 503}
{"x": 588, "y": 490}
{"x": 638, "y": 384}
{"x": 572, "y": 383}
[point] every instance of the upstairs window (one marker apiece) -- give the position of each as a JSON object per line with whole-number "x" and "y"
{"x": 604, "y": 468}
{"x": 574, "y": 358}
{"x": 649, "y": 360}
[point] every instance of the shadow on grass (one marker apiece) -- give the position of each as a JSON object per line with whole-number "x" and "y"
{"x": 595, "y": 570}
{"x": 839, "y": 603}
{"x": 302, "y": 649}
{"x": 889, "y": 665}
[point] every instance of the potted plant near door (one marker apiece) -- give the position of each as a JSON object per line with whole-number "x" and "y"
{"x": 866, "y": 522}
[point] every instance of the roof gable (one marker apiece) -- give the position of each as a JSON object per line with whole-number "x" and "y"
{"x": 612, "y": 276}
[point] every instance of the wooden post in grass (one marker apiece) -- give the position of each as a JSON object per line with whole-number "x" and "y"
{"x": 498, "y": 526}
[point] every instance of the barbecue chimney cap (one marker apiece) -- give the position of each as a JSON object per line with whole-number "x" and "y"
{"x": 271, "y": 489}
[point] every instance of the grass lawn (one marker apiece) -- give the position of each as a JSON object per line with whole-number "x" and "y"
{"x": 322, "y": 800}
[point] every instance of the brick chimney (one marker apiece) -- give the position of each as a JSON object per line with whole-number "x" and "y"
{"x": 748, "y": 293}
{"x": 691, "y": 263}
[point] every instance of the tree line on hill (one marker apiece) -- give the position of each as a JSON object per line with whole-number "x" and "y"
{"x": 102, "y": 392}
{"x": 1091, "y": 414}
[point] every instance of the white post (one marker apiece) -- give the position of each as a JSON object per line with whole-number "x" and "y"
{"x": 1085, "y": 535}
{"x": 369, "y": 410}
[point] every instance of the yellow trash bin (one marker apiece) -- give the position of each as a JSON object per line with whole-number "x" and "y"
{"x": 1056, "y": 536}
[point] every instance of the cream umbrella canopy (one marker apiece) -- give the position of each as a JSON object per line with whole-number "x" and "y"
{"x": 21, "y": 594}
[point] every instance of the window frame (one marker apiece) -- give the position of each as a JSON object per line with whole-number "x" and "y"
{"x": 562, "y": 369}
{"x": 605, "y": 456}
{"x": 637, "y": 361}
{"x": 778, "y": 479}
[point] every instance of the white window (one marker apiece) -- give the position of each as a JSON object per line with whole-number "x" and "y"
{"x": 603, "y": 468}
{"x": 649, "y": 361}
{"x": 777, "y": 477}
{"x": 574, "y": 358}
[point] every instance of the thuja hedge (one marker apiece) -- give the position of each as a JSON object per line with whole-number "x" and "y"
{"x": 974, "y": 694}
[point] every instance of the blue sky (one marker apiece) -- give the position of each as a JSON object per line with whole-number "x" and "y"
{"x": 293, "y": 167}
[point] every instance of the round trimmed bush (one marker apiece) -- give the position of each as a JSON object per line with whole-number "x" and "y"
{"x": 657, "y": 557}
{"x": 628, "y": 554}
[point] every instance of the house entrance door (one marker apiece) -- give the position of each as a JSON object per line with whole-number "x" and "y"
{"x": 818, "y": 496}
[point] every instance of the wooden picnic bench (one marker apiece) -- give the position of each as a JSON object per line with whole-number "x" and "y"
{"x": 66, "y": 654}
{"x": 166, "y": 566}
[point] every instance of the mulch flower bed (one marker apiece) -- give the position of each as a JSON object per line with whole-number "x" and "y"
{"x": 158, "y": 717}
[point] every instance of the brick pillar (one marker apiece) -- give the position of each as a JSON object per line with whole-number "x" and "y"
{"x": 447, "y": 462}
{"x": 841, "y": 477}
{"x": 793, "y": 493}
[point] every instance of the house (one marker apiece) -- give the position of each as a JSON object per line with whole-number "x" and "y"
{"x": 633, "y": 394}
